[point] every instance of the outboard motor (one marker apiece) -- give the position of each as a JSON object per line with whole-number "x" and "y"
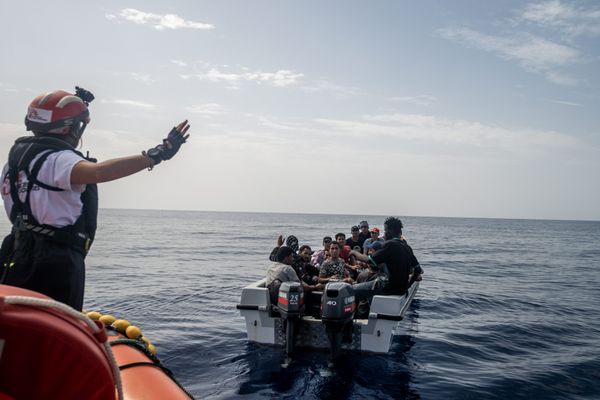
{"x": 338, "y": 308}
{"x": 290, "y": 304}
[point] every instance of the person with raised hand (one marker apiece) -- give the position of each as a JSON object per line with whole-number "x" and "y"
{"x": 50, "y": 195}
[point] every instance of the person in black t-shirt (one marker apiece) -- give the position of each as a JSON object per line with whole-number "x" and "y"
{"x": 364, "y": 232}
{"x": 399, "y": 259}
{"x": 355, "y": 239}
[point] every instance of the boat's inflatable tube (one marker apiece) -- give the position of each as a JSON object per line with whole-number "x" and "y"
{"x": 143, "y": 377}
{"x": 49, "y": 353}
{"x": 45, "y": 354}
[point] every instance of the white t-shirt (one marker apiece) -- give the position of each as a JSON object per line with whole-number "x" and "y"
{"x": 50, "y": 207}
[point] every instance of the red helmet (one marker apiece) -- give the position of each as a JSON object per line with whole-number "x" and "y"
{"x": 57, "y": 112}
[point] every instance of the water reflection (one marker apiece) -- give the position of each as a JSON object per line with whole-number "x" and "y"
{"x": 310, "y": 375}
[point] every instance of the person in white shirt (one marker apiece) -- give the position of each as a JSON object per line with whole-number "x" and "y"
{"x": 50, "y": 195}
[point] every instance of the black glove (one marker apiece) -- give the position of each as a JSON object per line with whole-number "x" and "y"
{"x": 169, "y": 147}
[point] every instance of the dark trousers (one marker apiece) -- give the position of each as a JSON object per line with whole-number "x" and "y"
{"x": 51, "y": 268}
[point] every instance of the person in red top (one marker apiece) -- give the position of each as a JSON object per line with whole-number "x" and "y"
{"x": 344, "y": 248}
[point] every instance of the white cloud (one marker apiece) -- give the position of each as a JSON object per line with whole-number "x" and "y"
{"x": 280, "y": 78}
{"x": 532, "y": 52}
{"x": 444, "y": 131}
{"x": 419, "y": 100}
{"x": 535, "y": 54}
{"x": 569, "y": 19}
{"x": 337, "y": 91}
{"x": 158, "y": 21}
{"x": 131, "y": 103}
{"x": 208, "y": 109}
{"x": 566, "y": 103}
{"x": 179, "y": 63}
{"x": 144, "y": 78}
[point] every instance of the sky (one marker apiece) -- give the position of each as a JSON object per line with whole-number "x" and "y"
{"x": 430, "y": 108}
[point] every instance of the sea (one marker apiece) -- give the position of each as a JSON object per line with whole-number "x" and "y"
{"x": 507, "y": 309}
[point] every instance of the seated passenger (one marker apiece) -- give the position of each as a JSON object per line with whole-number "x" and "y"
{"x": 374, "y": 238}
{"x": 282, "y": 271}
{"x": 355, "y": 239}
{"x": 321, "y": 255}
{"x": 305, "y": 253}
{"x": 334, "y": 268}
{"x": 370, "y": 274}
{"x": 344, "y": 248}
{"x": 303, "y": 269}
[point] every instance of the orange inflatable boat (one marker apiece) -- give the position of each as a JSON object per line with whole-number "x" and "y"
{"x": 50, "y": 351}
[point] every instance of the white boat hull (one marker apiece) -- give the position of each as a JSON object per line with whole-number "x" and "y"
{"x": 372, "y": 335}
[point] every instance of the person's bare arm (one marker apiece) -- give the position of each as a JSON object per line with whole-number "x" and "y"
{"x": 359, "y": 256}
{"x": 86, "y": 172}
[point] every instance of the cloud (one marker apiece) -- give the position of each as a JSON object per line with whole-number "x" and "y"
{"x": 569, "y": 19}
{"x": 179, "y": 63}
{"x": 533, "y": 53}
{"x": 280, "y": 78}
{"x": 419, "y": 100}
{"x": 144, "y": 78}
{"x": 157, "y": 21}
{"x": 566, "y": 103}
{"x": 431, "y": 129}
{"x": 131, "y": 103}
{"x": 337, "y": 91}
{"x": 208, "y": 109}
{"x": 540, "y": 37}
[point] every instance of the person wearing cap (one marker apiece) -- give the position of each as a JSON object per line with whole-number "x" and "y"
{"x": 364, "y": 232}
{"x": 373, "y": 239}
{"x": 369, "y": 274}
{"x": 50, "y": 195}
{"x": 354, "y": 240}
{"x": 321, "y": 255}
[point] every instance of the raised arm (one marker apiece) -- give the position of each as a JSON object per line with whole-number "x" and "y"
{"x": 86, "y": 172}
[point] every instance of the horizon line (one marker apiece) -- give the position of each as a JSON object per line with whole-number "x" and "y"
{"x": 351, "y": 215}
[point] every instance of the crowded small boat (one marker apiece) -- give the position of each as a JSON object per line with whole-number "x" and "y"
{"x": 350, "y": 295}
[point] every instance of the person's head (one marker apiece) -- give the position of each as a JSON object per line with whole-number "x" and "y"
{"x": 341, "y": 239}
{"x": 305, "y": 252}
{"x": 60, "y": 114}
{"x": 392, "y": 228}
{"x": 292, "y": 242}
{"x": 326, "y": 242}
{"x": 364, "y": 227}
{"x": 334, "y": 250}
{"x": 355, "y": 232}
{"x": 374, "y": 247}
{"x": 374, "y": 233}
{"x": 284, "y": 255}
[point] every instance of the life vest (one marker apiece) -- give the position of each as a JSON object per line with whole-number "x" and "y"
{"x": 79, "y": 235}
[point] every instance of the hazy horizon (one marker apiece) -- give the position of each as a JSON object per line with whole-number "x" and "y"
{"x": 457, "y": 109}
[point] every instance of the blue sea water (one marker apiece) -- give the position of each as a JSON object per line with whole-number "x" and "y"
{"x": 508, "y": 309}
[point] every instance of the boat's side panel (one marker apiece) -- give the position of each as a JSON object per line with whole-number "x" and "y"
{"x": 260, "y": 327}
{"x": 386, "y": 312}
{"x": 377, "y": 336}
{"x": 254, "y": 307}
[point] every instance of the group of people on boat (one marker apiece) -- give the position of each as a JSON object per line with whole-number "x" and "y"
{"x": 372, "y": 265}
